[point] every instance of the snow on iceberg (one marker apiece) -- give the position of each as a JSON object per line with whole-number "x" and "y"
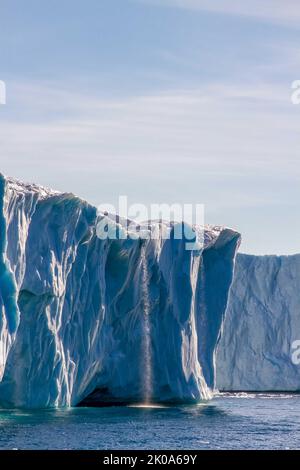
{"x": 84, "y": 319}
{"x": 262, "y": 323}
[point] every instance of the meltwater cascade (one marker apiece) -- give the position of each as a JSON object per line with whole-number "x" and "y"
{"x": 146, "y": 366}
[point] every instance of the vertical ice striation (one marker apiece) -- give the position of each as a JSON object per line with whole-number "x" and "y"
{"x": 216, "y": 276}
{"x": 262, "y": 323}
{"x": 8, "y": 292}
{"x": 73, "y": 307}
{"x": 181, "y": 306}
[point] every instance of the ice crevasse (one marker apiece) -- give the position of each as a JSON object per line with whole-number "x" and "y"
{"x": 90, "y": 320}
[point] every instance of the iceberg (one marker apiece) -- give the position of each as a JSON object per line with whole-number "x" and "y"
{"x": 262, "y": 326}
{"x": 90, "y": 321}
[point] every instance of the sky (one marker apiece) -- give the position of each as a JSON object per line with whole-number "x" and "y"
{"x": 165, "y": 101}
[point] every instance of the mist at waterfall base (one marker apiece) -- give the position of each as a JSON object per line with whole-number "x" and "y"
{"x": 239, "y": 421}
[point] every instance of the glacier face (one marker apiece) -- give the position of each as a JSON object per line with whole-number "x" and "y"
{"x": 84, "y": 318}
{"x": 262, "y": 323}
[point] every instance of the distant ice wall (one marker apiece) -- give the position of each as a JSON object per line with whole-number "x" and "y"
{"x": 72, "y": 306}
{"x": 262, "y": 322}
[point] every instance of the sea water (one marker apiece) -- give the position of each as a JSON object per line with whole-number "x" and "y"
{"x": 229, "y": 421}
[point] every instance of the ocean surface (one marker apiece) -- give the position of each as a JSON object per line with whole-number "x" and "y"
{"x": 230, "y": 421}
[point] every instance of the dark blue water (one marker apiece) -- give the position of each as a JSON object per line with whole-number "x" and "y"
{"x": 228, "y": 422}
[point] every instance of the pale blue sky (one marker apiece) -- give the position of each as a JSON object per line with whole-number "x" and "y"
{"x": 161, "y": 100}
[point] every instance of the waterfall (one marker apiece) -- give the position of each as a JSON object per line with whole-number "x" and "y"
{"x": 146, "y": 366}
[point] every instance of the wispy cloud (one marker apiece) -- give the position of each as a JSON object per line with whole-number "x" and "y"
{"x": 164, "y": 104}
{"x": 218, "y": 129}
{"x": 234, "y": 148}
{"x": 279, "y": 11}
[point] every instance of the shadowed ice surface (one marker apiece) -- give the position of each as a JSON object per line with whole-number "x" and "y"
{"x": 240, "y": 421}
{"x": 84, "y": 318}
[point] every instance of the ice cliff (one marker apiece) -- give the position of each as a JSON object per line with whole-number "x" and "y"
{"x": 103, "y": 320}
{"x": 262, "y": 323}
